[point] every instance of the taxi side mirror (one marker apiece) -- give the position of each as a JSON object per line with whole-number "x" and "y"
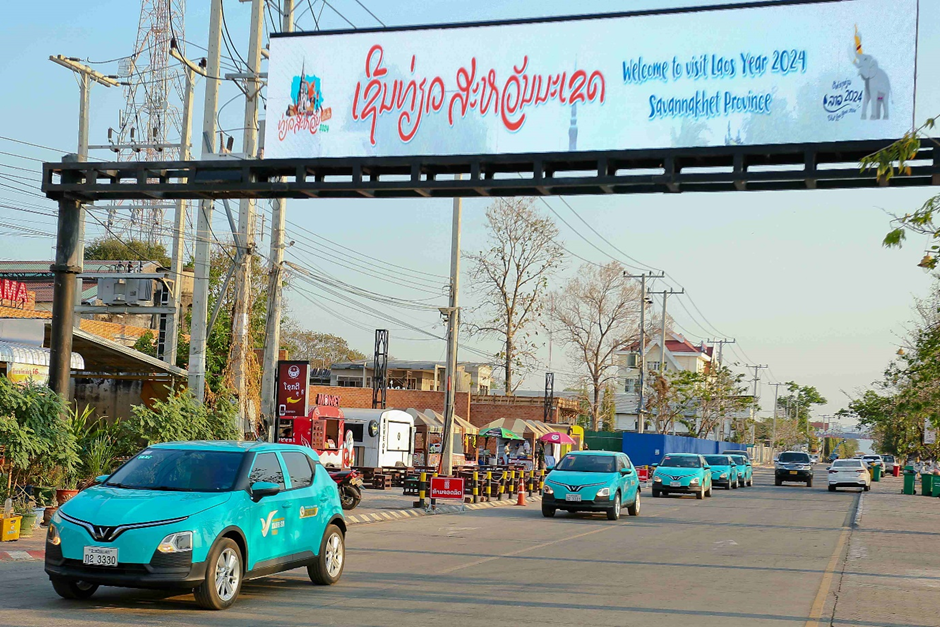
{"x": 626, "y": 471}
{"x": 101, "y": 478}
{"x": 261, "y": 489}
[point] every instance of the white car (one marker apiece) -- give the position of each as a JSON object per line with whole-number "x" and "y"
{"x": 849, "y": 473}
{"x": 874, "y": 460}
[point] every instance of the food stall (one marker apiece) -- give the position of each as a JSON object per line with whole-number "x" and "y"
{"x": 381, "y": 437}
{"x": 323, "y": 430}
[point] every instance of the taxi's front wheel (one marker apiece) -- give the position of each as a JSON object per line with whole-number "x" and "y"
{"x": 223, "y": 579}
{"x": 72, "y": 588}
{"x": 332, "y": 558}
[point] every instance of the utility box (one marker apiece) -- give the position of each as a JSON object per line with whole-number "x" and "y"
{"x": 124, "y": 291}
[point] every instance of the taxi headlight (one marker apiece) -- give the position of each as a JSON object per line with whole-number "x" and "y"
{"x": 177, "y": 542}
{"x": 724, "y": 475}
{"x": 547, "y": 489}
{"x": 52, "y": 536}
{"x": 657, "y": 479}
{"x": 603, "y": 492}
{"x": 693, "y": 482}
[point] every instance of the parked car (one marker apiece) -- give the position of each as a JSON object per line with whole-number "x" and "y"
{"x": 890, "y": 463}
{"x": 794, "y": 466}
{"x": 814, "y": 458}
{"x": 874, "y": 460}
{"x": 844, "y": 473}
{"x": 592, "y": 481}
{"x": 724, "y": 471}
{"x": 683, "y": 473}
{"x": 202, "y": 516}
{"x": 745, "y": 470}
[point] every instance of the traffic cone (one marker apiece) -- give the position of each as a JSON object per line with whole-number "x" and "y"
{"x": 520, "y": 500}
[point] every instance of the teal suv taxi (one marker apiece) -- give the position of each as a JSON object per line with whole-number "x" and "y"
{"x": 202, "y": 516}
{"x": 745, "y": 469}
{"x": 592, "y": 481}
{"x": 683, "y": 473}
{"x": 724, "y": 471}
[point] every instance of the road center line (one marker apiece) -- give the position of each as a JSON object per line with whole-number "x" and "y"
{"x": 820, "y": 601}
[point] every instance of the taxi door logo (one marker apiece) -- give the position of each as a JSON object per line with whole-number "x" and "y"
{"x": 271, "y": 524}
{"x": 308, "y": 511}
{"x": 305, "y": 111}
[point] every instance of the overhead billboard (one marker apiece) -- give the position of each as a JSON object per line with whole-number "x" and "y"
{"x": 772, "y": 73}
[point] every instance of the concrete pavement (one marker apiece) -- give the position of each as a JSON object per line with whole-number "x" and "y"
{"x": 756, "y": 556}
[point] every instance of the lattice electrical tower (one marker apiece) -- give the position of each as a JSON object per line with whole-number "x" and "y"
{"x": 150, "y": 125}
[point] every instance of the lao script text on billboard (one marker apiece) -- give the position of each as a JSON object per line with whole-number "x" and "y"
{"x": 778, "y": 74}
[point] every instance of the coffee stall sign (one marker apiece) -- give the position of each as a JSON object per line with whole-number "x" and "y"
{"x": 293, "y": 378}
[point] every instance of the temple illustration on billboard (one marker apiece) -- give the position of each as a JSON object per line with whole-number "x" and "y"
{"x": 307, "y": 95}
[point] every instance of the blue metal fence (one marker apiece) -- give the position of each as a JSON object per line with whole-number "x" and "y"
{"x": 648, "y": 448}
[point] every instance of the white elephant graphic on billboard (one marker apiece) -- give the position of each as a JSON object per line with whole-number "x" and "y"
{"x": 877, "y": 84}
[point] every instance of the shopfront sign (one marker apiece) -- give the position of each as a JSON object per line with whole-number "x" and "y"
{"x": 293, "y": 377}
{"x": 26, "y": 373}
{"x": 446, "y": 488}
{"x": 13, "y": 293}
{"x": 772, "y": 73}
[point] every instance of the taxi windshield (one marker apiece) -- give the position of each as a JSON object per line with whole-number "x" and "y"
{"x": 681, "y": 462}
{"x": 739, "y": 459}
{"x": 588, "y": 463}
{"x": 717, "y": 460}
{"x": 179, "y": 470}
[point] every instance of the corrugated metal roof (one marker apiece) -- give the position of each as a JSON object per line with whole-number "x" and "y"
{"x": 12, "y": 352}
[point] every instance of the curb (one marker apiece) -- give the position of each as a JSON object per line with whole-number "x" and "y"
{"x": 22, "y": 556}
{"x": 372, "y": 518}
{"x": 858, "y": 510}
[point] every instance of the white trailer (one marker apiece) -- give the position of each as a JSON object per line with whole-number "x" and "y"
{"x": 381, "y": 437}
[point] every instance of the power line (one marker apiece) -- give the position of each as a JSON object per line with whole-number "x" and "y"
{"x": 374, "y": 16}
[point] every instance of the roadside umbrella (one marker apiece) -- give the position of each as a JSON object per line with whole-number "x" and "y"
{"x": 499, "y": 432}
{"x": 557, "y": 438}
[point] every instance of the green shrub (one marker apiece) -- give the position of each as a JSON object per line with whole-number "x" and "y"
{"x": 182, "y": 418}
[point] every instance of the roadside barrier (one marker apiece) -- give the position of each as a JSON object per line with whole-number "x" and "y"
{"x": 422, "y": 490}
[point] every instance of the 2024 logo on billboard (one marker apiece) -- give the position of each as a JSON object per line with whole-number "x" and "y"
{"x": 306, "y": 111}
{"x": 872, "y": 97}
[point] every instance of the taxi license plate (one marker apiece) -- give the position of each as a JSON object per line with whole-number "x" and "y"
{"x": 572, "y": 497}
{"x": 99, "y": 556}
{"x": 792, "y": 472}
{"x": 675, "y": 484}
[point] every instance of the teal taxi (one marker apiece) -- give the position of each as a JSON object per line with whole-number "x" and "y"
{"x": 201, "y": 516}
{"x": 724, "y": 471}
{"x": 682, "y": 473}
{"x": 592, "y": 481}
{"x": 745, "y": 470}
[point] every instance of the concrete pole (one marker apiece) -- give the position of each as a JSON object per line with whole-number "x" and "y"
{"x": 179, "y": 229}
{"x": 453, "y": 322}
{"x": 640, "y": 420}
{"x": 272, "y": 327}
{"x": 68, "y": 264}
{"x": 241, "y": 339}
{"x": 84, "y": 83}
{"x": 200, "y": 312}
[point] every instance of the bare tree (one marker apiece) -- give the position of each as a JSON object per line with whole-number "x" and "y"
{"x": 512, "y": 278}
{"x": 597, "y": 313}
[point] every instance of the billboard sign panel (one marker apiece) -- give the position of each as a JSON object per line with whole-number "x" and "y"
{"x": 776, "y": 73}
{"x": 293, "y": 378}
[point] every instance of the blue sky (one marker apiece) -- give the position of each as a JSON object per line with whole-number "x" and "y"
{"x": 798, "y": 278}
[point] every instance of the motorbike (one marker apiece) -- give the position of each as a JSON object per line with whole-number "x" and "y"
{"x": 349, "y": 484}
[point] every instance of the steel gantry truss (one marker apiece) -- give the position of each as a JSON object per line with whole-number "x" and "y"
{"x": 715, "y": 169}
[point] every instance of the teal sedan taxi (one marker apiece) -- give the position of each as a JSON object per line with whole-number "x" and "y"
{"x": 592, "y": 481}
{"x": 745, "y": 470}
{"x": 202, "y": 516}
{"x": 683, "y": 473}
{"x": 724, "y": 471}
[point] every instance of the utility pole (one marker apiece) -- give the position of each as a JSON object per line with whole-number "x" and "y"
{"x": 717, "y": 359}
{"x": 241, "y": 340}
{"x": 662, "y": 352}
{"x": 86, "y": 77}
{"x": 453, "y": 321}
{"x": 640, "y": 409}
{"x": 272, "y": 326}
{"x": 199, "y": 330}
{"x": 773, "y": 437}
{"x": 756, "y": 380}
{"x": 179, "y": 221}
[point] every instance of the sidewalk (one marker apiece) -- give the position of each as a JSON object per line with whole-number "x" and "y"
{"x": 891, "y": 575}
{"x": 24, "y": 549}
{"x": 382, "y": 506}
